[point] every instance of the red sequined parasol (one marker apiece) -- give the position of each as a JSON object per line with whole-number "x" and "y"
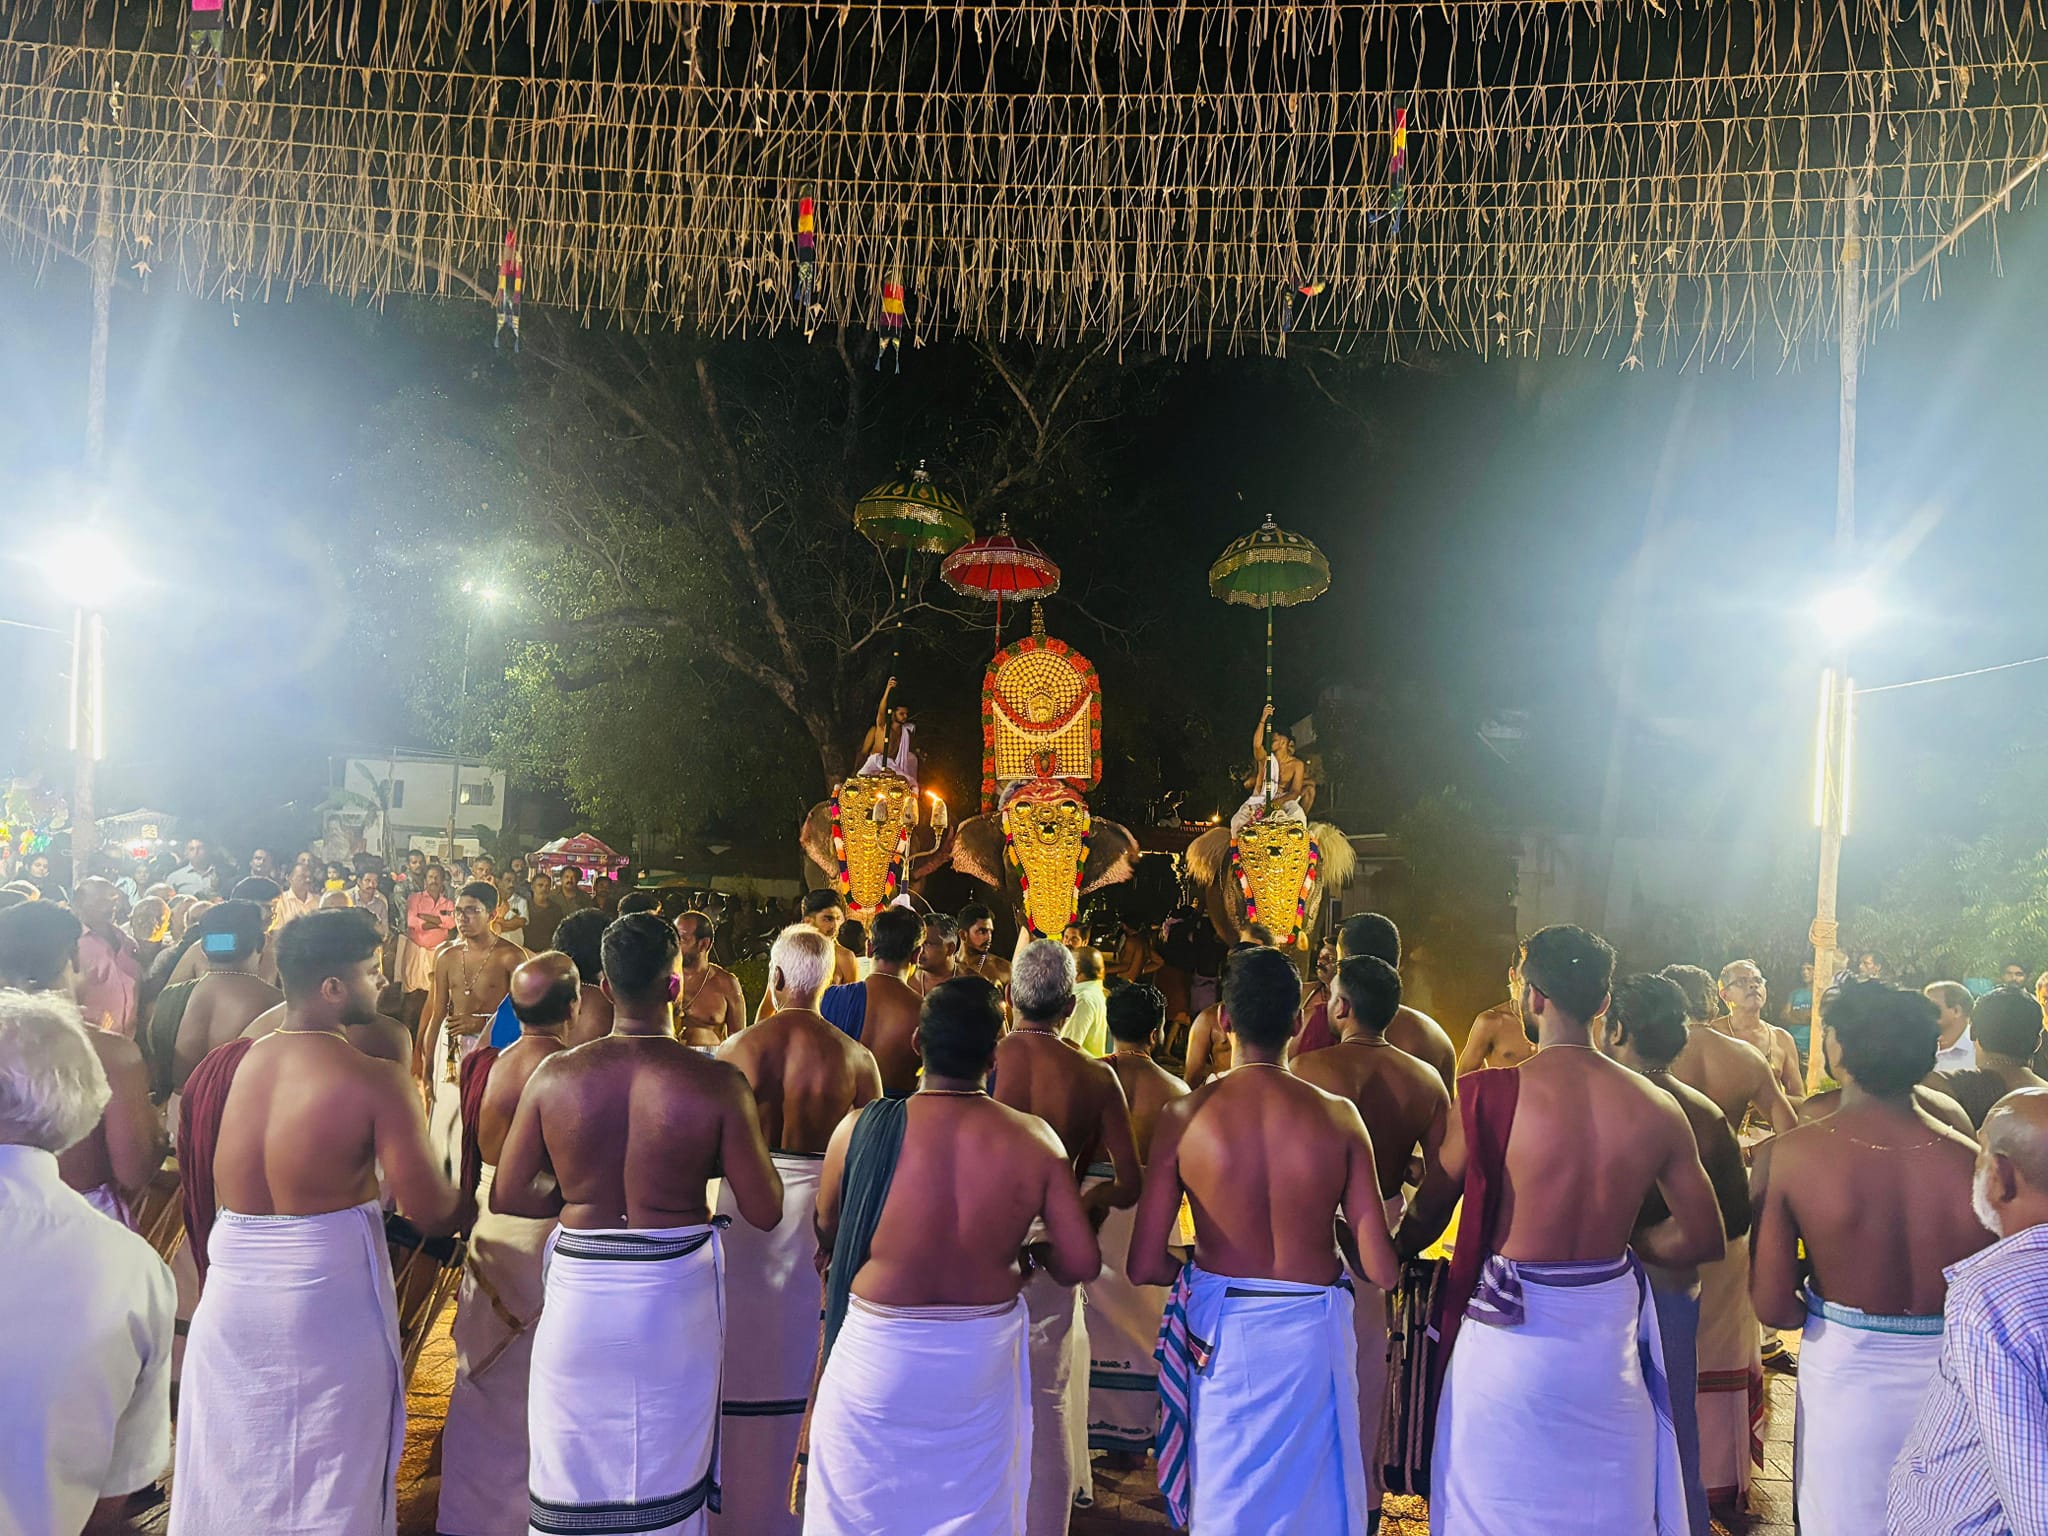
{"x": 1000, "y": 566}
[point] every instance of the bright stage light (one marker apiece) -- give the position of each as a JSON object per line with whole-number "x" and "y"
{"x": 483, "y": 591}
{"x": 86, "y": 567}
{"x": 1845, "y": 613}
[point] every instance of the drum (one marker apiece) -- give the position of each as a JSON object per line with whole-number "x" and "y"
{"x": 427, "y": 1272}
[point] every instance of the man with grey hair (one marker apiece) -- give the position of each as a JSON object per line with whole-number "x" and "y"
{"x": 86, "y": 1355}
{"x": 1042, "y": 1074}
{"x": 1972, "y": 1460}
{"x": 1955, "y": 1051}
{"x": 806, "y": 1076}
{"x": 1744, "y": 993}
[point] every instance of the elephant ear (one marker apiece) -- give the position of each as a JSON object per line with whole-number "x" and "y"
{"x": 1112, "y": 856}
{"x": 1339, "y": 858}
{"x": 816, "y": 839}
{"x": 978, "y": 850}
{"x": 1208, "y": 856}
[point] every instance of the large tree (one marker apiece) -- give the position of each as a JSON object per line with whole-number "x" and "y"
{"x": 694, "y": 606}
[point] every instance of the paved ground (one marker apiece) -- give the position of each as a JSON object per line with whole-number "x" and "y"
{"x": 1126, "y": 1504}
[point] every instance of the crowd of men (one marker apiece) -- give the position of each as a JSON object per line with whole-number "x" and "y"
{"x": 907, "y": 1244}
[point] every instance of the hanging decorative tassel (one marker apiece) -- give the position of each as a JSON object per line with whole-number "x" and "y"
{"x": 511, "y": 280}
{"x": 892, "y": 322}
{"x": 1397, "y": 174}
{"x": 1287, "y": 319}
{"x": 206, "y": 34}
{"x": 806, "y": 255}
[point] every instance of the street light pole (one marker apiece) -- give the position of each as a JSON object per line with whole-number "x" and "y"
{"x": 87, "y": 631}
{"x": 1831, "y": 787}
{"x": 461, "y": 727}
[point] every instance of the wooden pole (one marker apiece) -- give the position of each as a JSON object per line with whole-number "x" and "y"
{"x": 1836, "y": 702}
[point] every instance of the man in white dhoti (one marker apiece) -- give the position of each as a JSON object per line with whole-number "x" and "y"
{"x": 1123, "y": 1319}
{"x": 1041, "y": 1074}
{"x": 1406, "y": 1112}
{"x": 292, "y": 1413}
{"x": 1879, "y": 1194}
{"x": 470, "y": 978}
{"x": 622, "y": 1410}
{"x": 806, "y": 1077}
{"x": 1547, "y": 1318}
{"x": 1256, "y": 1364}
{"x": 886, "y": 747}
{"x": 483, "y": 1446}
{"x": 922, "y": 1422}
{"x": 1277, "y": 782}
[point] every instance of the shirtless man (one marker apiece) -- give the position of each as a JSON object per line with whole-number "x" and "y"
{"x": 1405, "y": 1110}
{"x": 1210, "y": 1045}
{"x": 2007, "y": 1028}
{"x": 580, "y": 936}
{"x": 1038, "y": 1073}
{"x": 1268, "y": 1163}
{"x": 933, "y": 1324}
{"x": 1401, "y": 1101}
{"x": 1137, "y": 1017}
{"x": 882, "y": 748}
{"x": 295, "y": 1323}
{"x": 1644, "y": 1029}
{"x": 471, "y": 977}
{"x": 484, "y": 1448}
{"x": 889, "y": 1027}
{"x": 230, "y": 996}
{"x": 544, "y": 990}
{"x": 1731, "y": 1072}
{"x": 977, "y": 936}
{"x": 935, "y": 954}
{"x": 1496, "y": 1039}
{"x": 1413, "y": 1031}
{"x": 807, "y": 1076}
{"x": 711, "y": 1005}
{"x": 1879, "y": 1197}
{"x": 1588, "y": 1142}
{"x": 825, "y": 911}
{"x": 624, "y": 1397}
{"x": 115, "y": 1162}
{"x": 1743, "y": 992}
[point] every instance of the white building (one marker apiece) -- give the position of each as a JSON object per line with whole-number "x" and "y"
{"x": 390, "y": 804}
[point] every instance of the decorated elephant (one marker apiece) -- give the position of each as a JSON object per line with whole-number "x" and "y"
{"x": 1275, "y": 873}
{"x": 1043, "y": 851}
{"x": 867, "y": 843}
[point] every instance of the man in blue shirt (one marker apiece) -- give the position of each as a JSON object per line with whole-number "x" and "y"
{"x": 1973, "y": 1460}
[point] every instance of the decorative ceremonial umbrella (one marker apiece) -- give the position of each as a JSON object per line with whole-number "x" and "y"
{"x": 1000, "y": 566}
{"x": 915, "y": 516}
{"x": 912, "y": 514}
{"x": 1270, "y": 568}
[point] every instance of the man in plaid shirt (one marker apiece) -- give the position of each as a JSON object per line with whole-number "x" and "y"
{"x": 1973, "y": 1462}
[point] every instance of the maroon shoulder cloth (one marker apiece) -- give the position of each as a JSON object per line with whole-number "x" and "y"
{"x": 1486, "y": 1103}
{"x": 476, "y": 1072}
{"x": 199, "y": 1105}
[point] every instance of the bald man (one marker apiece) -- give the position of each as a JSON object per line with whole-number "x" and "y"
{"x": 1972, "y": 1461}
{"x": 483, "y": 1470}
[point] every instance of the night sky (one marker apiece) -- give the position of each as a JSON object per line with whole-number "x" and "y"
{"x": 1481, "y": 520}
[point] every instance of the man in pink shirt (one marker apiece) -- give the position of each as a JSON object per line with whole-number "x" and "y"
{"x": 109, "y": 968}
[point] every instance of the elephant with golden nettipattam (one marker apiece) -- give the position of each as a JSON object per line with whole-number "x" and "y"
{"x": 867, "y": 843}
{"x": 1042, "y": 851}
{"x": 1274, "y": 872}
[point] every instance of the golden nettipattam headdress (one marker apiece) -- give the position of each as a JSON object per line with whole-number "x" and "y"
{"x": 1041, "y": 716}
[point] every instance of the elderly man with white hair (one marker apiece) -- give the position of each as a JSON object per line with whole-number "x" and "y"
{"x": 85, "y": 1359}
{"x": 1039, "y": 1073}
{"x": 806, "y": 1076}
{"x": 1972, "y": 1461}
